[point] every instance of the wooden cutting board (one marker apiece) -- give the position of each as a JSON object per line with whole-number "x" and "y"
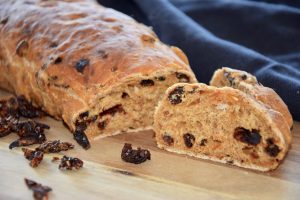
{"x": 165, "y": 176}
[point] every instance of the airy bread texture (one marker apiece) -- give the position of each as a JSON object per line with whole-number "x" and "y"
{"x": 221, "y": 124}
{"x": 247, "y": 83}
{"x": 91, "y": 66}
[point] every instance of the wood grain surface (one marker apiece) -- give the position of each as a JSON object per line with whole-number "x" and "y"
{"x": 165, "y": 176}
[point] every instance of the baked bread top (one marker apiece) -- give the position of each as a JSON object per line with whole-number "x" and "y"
{"x": 80, "y": 48}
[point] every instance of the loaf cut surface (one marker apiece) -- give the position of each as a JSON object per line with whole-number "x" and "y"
{"x": 221, "y": 124}
{"x": 248, "y": 83}
{"x": 98, "y": 70}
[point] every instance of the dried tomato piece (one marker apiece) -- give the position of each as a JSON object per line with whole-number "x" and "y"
{"x": 168, "y": 139}
{"x": 82, "y": 64}
{"x": 8, "y": 117}
{"x": 175, "y": 97}
{"x": 35, "y": 157}
{"x": 251, "y": 137}
{"x": 28, "y": 140}
{"x": 27, "y": 110}
{"x": 54, "y": 146}
{"x": 113, "y": 110}
{"x": 30, "y": 128}
{"x": 272, "y": 149}
{"x": 9, "y": 108}
{"x": 203, "y": 142}
{"x": 147, "y": 82}
{"x": 189, "y": 140}
{"x": 5, "y": 127}
{"x": 17, "y": 107}
{"x": 182, "y": 77}
{"x": 69, "y": 163}
{"x": 30, "y": 132}
{"x": 137, "y": 156}
{"x": 81, "y": 137}
{"x": 40, "y": 192}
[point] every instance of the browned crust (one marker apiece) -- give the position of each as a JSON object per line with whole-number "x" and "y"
{"x": 63, "y": 55}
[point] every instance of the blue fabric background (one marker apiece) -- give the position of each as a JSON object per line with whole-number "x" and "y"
{"x": 260, "y": 37}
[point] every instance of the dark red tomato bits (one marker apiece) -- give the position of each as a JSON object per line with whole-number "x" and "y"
{"x": 28, "y": 140}
{"x": 82, "y": 64}
{"x": 30, "y": 128}
{"x": 244, "y": 77}
{"x": 246, "y": 136}
{"x": 58, "y": 60}
{"x": 35, "y": 157}
{"x": 230, "y": 79}
{"x": 40, "y": 192}
{"x": 70, "y": 163}
{"x": 9, "y": 109}
{"x": 6, "y": 127}
{"x": 137, "y": 156}
{"x": 113, "y": 110}
{"x": 81, "y": 137}
{"x": 272, "y": 149}
{"x": 27, "y": 110}
{"x": 102, "y": 125}
{"x": 124, "y": 95}
{"x": 55, "y": 146}
{"x": 146, "y": 82}
{"x": 182, "y": 77}
{"x": 203, "y": 142}
{"x": 189, "y": 140}
{"x": 84, "y": 115}
{"x": 84, "y": 119}
{"x": 161, "y": 78}
{"x": 168, "y": 139}
{"x": 30, "y": 132}
{"x": 175, "y": 97}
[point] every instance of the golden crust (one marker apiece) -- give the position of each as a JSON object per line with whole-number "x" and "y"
{"x": 62, "y": 55}
{"x": 247, "y": 83}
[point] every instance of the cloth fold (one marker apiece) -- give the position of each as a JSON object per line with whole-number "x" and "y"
{"x": 258, "y": 37}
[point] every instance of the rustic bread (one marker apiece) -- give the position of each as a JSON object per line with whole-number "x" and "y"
{"x": 247, "y": 83}
{"x": 98, "y": 70}
{"x": 221, "y": 124}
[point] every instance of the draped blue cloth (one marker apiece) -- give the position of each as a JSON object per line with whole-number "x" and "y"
{"x": 260, "y": 37}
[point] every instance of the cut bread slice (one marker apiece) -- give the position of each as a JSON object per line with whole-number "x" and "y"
{"x": 221, "y": 124}
{"x": 130, "y": 105}
{"x": 247, "y": 83}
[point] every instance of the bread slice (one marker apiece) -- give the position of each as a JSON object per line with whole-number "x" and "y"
{"x": 247, "y": 83}
{"x": 221, "y": 124}
{"x": 97, "y": 69}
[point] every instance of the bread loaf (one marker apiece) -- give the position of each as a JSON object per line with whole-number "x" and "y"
{"x": 248, "y": 83}
{"x": 221, "y": 124}
{"x": 98, "y": 70}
